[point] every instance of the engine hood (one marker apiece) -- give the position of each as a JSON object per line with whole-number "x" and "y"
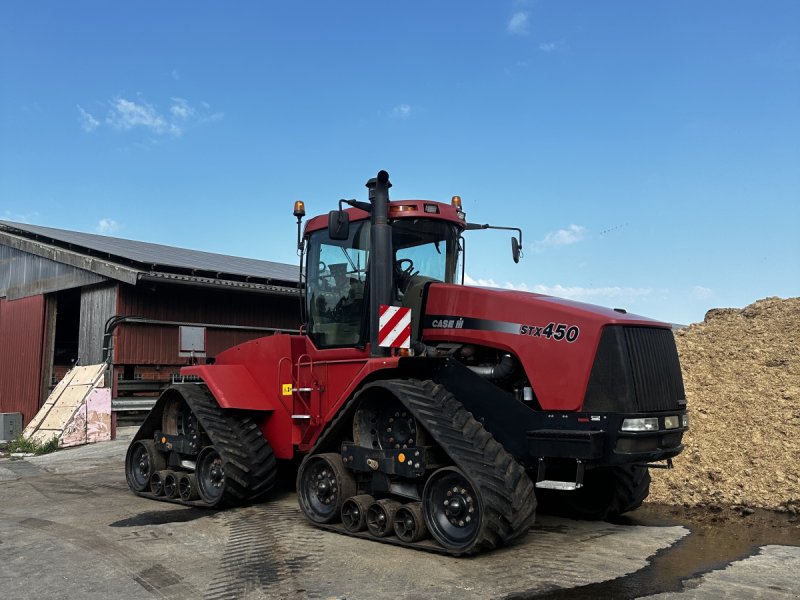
{"x": 554, "y": 339}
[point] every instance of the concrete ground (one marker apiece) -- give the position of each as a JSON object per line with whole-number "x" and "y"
{"x": 69, "y": 528}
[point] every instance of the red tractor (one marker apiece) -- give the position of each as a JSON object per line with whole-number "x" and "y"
{"x": 430, "y": 414}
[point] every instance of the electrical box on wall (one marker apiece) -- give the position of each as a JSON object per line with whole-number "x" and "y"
{"x": 192, "y": 341}
{"x": 10, "y": 426}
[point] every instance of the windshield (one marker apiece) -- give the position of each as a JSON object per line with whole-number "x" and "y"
{"x": 424, "y": 248}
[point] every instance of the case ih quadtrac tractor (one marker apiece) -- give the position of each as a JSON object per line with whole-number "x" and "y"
{"x": 440, "y": 431}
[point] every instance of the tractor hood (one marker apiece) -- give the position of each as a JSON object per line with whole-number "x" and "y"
{"x": 555, "y": 339}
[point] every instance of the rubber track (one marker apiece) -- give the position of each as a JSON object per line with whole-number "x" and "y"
{"x": 507, "y": 492}
{"x": 249, "y": 463}
{"x": 632, "y": 487}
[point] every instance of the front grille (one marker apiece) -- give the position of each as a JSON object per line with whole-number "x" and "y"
{"x": 655, "y": 368}
{"x": 636, "y": 369}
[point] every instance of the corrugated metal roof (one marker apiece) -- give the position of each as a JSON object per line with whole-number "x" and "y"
{"x": 156, "y": 257}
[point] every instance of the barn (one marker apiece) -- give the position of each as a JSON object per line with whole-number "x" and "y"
{"x": 68, "y": 298}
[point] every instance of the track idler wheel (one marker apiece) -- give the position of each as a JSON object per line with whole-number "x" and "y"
{"x": 187, "y": 487}
{"x": 409, "y": 523}
{"x": 354, "y": 512}
{"x": 141, "y": 462}
{"x": 171, "y": 484}
{"x": 453, "y": 510}
{"x": 210, "y": 473}
{"x": 323, "y": 485}
{"x": 380, "y": 517}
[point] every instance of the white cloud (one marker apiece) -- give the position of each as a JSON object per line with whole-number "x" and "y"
{"x": 562, "y": 237}
{"x": 181, "y": 109}
{"x": 569, "y": 292}
{"x": 88, "y": 122}
{"x": 106, "y": 226}
{"x": 582, "y": 293}
{"x": 127, "y": 114}
{"x": 549, "y": 47}
{"x": 518, "y": 24}
{"x": 20, "y": 217}
{"x": 401, "y": 111}
{"x": 479, "y": 282}
{"x": 701, "y": 293}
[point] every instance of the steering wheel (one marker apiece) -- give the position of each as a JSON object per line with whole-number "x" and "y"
{"x": 404, "y": 271}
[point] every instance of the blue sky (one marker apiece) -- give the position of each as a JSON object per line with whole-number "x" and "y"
{"x": 649, "y": 150}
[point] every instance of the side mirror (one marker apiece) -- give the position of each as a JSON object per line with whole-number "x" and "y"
{"x": 515, "y": 249}
{"x": 338, "y": 225}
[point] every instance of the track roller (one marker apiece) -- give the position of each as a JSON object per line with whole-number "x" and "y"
{"x": 354, "y": 512}
{"x": 157, "y": 482}
{"x": 409, "y": 523}
{"x": 141, "y": 462}
{"x": 187, "y": 487}
{"x": 170, "y": 484}
{"x": 323, "y": 484}
{"x": 380, "y": 517}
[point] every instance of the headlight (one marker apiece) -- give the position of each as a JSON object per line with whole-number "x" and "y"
{"x": 685, "y": 421}
{"x": 672, "y": 422}
{"x": 645, "y": 424}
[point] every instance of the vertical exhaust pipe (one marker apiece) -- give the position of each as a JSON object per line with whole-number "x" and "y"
{"x": 380, "y": 286}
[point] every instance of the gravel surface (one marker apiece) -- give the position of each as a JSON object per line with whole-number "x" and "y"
{"x": 741, "y": 369}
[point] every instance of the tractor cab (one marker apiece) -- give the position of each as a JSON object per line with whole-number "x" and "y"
{"x": 425, "y": 246}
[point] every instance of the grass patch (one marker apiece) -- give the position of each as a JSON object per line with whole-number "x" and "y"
{"x": 22, "y": 444}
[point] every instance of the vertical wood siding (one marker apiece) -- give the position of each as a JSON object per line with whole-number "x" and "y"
{"x": 21, "y": 337}
{"x": 98, "y": 303}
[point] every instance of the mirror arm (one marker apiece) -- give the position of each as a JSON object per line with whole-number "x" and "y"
{"x": 473, "y": 226}
{"x": 365, "y": 206}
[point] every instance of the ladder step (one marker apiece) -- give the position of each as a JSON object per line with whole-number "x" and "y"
{"x": 550, "y": 484}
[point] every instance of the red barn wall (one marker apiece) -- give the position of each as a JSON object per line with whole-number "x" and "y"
{"x": 158, "y": 345}
{"x": 21, "y": 341}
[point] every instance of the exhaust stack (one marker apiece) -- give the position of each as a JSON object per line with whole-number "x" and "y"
{"x": 380, "y": 272}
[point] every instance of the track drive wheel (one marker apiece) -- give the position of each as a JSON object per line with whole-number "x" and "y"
{"x": 323, "y": 484}
{"x": 210, "y": 473}
{"x": 453, "y": 510}
{"x": 141, "y": 461}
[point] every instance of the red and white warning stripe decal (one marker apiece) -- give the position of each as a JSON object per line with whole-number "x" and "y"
{"x": 394, "y": 327}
